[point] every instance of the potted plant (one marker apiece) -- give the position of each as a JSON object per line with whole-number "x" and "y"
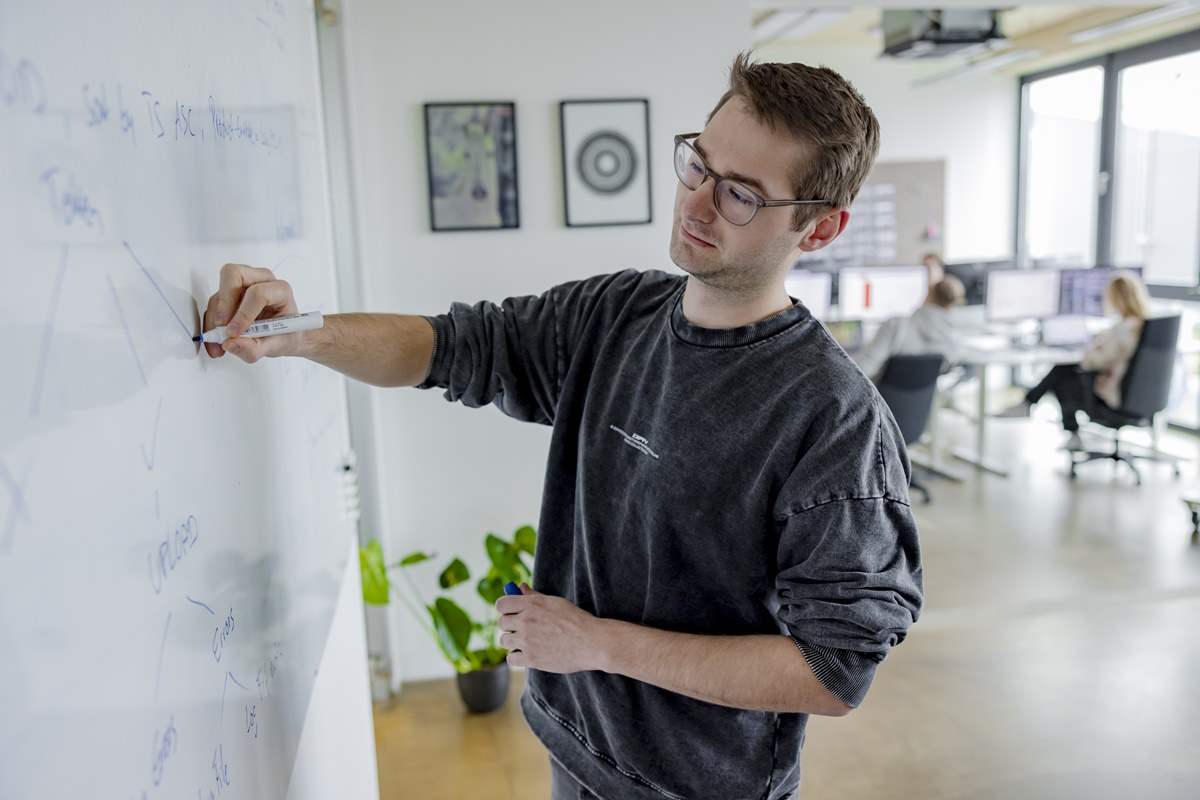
{"x": 470, "y": 645}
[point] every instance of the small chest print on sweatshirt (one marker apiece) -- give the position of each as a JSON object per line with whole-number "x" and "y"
{"x": 636, "y": 441}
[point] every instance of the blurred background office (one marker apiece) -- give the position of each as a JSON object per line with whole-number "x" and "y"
{"x": 1034, "y": 149}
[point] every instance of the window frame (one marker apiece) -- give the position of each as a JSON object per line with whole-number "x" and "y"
{"x": 1112, "y": 65}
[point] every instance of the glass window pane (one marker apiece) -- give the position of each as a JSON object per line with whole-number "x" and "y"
{"x": 1061, "y": 174}
{"x": 1156, "y": 180}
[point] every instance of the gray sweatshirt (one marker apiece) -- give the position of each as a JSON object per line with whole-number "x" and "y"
{"x": 725, "y": 482}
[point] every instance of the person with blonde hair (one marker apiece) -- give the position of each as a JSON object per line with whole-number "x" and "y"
{"x": 1104, "y": 361}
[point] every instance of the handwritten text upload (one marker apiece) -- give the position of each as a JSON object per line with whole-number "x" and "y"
{"x": 173, "y": 549}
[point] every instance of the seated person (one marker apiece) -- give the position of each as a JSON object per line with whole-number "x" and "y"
{"x": 928, "y": 330}
{"x": 1107, "y": 355}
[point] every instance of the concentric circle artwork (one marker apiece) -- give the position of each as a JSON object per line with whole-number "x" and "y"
{"x": 606, "y": 162}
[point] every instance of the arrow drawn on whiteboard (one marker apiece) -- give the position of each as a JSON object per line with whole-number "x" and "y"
{"x": 202, "y": 605}
{"x": 39, "y": 381}
{"x": 149, "y": 460}
{"x": 187, "y": 331}
{"x": 17, "y": 509}
{"x": 128, "y": 335}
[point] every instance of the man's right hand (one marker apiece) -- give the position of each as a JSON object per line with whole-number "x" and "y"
{"x": 247, "y": 294}
{"x": 379, "y": 349}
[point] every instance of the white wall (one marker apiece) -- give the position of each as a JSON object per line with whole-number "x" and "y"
{"x": 449, "y": 474}
{"x": 970, "y": 122}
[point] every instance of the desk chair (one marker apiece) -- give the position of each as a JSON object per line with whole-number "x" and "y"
{"x": 1145, "y": 390}
{"x": 1193, "y": 504}
{"x": 908, "y": 386}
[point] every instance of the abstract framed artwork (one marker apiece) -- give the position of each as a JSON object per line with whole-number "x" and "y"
{"x": 606, "y": 162}
{"x": 471, "y": 155}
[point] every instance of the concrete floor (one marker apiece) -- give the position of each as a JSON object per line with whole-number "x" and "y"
{"x": 1057, "y": 657}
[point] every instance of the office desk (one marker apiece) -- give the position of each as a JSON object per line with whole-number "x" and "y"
{"x": 985, "y": 351}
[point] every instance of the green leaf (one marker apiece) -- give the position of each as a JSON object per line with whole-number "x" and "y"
{"x": 454, "y": 574}
{"x": 490, "y": 588}
{"x": 374, "y": 573}
{"x": 453, "y": 628}
{"x": 525, "y": 539}
{"x": 505, "y": 558}
{"x": 489, "y": 656}
{"x": 414, "y": 558}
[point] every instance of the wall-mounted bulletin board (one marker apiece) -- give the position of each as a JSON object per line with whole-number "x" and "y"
{"x": 896, "y": 218}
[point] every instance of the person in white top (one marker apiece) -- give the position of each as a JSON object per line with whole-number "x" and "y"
{"x": 1107, "y": 357}
{"x": 930, "y": 329}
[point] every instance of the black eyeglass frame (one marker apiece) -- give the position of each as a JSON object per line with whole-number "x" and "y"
{"x": 682, "y": 139}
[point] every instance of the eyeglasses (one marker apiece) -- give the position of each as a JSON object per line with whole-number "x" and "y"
{"x": 735, "y": 201}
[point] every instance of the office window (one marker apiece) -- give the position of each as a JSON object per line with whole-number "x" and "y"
{"x": 1061, "y": 116}
{"x": 1156, "y": 177}
{"x": 1124, "y": 130}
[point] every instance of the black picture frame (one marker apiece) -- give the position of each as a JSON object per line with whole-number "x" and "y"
{"x": 471, "y": 165}
{"x": 606, "y": 162}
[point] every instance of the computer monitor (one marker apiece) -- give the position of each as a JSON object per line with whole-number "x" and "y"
{"x": 878, "y": 293}
{"x": 1066, "y": 330}
{"x": 973, "y": 275}
{"x": 1082, "y": 290}
{"x": 811, "y": 288}
{"x": 1015, "y": 294}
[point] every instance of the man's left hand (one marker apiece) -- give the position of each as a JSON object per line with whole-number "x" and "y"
{"x": 548, "y": 633}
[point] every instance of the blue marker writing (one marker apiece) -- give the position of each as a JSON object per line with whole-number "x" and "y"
{"x": 511, "y": 588}
{"x": 267, "y": 327}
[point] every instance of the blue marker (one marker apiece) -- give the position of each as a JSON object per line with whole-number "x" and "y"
{"x": 511, "y": 588}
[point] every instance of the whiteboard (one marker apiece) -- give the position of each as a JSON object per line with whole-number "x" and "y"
{"x": 173, "y": 529}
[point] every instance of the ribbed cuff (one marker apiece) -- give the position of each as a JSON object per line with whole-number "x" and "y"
{"x": 845, "y": 673}
{"x": 443, "y": 347}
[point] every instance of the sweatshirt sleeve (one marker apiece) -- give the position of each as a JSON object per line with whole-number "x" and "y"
{"x": 849, "y": 583}
{"x": 506, "y": 354}
{"x": 516, "y": 354}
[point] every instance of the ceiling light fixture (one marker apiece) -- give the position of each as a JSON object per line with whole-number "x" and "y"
{"x": 1160, "y": 14}
{"x": 976, "y": 67}
{"x": 795, "y": 23}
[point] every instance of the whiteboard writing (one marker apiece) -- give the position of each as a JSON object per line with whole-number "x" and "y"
{"x": 172, "y": 537}
{"x": 21, "y": 85}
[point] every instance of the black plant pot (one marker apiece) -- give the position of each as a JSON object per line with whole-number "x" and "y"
{"x": 484, "y": 689}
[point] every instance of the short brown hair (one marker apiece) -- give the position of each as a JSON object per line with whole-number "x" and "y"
{"x": 948, "y": 292}
{"x": 821, "y": 109}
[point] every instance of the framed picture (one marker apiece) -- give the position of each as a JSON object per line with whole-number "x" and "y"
{"x": 606, "y": 162}
{"x": 471, "y": 154}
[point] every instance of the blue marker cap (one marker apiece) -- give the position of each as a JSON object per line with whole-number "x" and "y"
{"x": 511, "y": 588}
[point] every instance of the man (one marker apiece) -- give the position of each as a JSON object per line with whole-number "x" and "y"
{"x": 929, "y": 329}
{"x": 725, "y": 543}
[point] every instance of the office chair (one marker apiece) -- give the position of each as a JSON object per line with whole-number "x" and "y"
{"x": 1145, "y": 390}
{"x": 908, "y": 386}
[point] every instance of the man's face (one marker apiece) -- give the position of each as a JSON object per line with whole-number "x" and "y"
{"x": 707, "y": 246}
